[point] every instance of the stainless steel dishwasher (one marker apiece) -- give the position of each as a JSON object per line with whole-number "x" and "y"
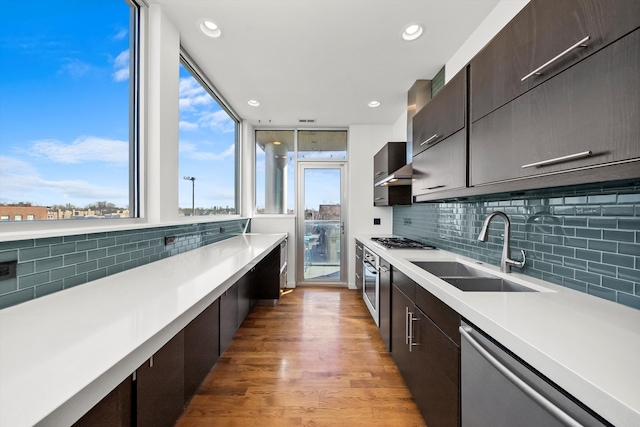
{"x": 500, "y": 390}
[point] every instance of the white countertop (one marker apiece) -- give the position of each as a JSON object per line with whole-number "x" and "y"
{"x": 587, "y": 345}
{"x": 60, "y": 354}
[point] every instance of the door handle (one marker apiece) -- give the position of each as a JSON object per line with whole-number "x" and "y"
{"x": 538, "y": 70}
{"x": 558, "y": 413}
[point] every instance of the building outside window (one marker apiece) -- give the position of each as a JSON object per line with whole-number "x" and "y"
{"x": 275, "y": 170}
{"x": 66, "y": 109}
{"x": 208, "y": 148}
{"x": 275, "y": 163}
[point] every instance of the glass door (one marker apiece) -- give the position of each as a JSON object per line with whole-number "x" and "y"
{"x": 321, "y": 220}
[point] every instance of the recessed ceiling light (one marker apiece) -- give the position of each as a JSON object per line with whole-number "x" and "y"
{"x": 412, "y": 32}
{"x": 210, "y": 28}
{"x": 374, "y": 104}
{"x": 253, "y": 103}
{"x": 277, "y": 142}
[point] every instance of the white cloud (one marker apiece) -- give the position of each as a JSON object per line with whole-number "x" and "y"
{"x": 192, "y": 152}
{"x": 185, "y": 125}
{"x": 218, "y": 121}
{"x": 22, "y": 182}
{"x": 74, "y": 67}
{"x": 120, "y": 34}
{"x": 192, "y": 94}
{"x": 121, "y": 65}
{"x": 84, "y": 149}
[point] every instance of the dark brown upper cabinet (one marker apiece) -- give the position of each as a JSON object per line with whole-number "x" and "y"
{"x": 547, "y": 37}
{"x": 444, "y": 115}
{"x": 440, "y": 150}
{"x": 388, "y": 160}
{"x": 585, "y": 120}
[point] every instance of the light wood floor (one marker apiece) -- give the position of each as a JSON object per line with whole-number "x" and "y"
{"x": 315, "y": 359}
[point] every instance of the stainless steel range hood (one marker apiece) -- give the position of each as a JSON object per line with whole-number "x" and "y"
{"x": 402, "y": 176}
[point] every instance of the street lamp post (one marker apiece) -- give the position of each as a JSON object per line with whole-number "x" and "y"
{"x": 193, "y": 193}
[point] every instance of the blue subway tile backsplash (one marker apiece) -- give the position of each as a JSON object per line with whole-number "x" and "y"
{"x": 53, "y": 264}
{"x": 584, "y": 239}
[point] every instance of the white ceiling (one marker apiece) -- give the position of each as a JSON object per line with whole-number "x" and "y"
{"x": 322, "y": 59}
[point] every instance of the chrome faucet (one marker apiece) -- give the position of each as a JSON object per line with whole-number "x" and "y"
{"x": 505, "y": 263}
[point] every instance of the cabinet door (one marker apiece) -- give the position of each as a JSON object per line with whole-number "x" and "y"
{"x": 442, "y": 167}
{"x": 384, "y": 310}
{"x": 400, "y": 306}
{"x": 160, "y": 386}
{"x": 244, "y": 295}
{"x": 436, "y": 388}
{"x": 442, "y": 116}
{"x": 539, "y": 33}
{"x": 115, "y": 410}
{"x": 266, "y": 282}
{"x": 591, "y": 107}
{"x": 389, "y": 159}
{"x": 201, "y": 347}
{"x": 228, "y": 316}
{"x": 358, "y": 258}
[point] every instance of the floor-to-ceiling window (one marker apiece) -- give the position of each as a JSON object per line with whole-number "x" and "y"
{"x": 68, "y": 109}
{"x": 208, "y": 148}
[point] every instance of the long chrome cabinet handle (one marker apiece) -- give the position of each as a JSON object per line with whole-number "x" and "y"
{"x": 518, "y": 382}
{"x": 384, "y": 269}
{"x": 411, "y": 342}
{"x": 581, "y": 43}
{"x": 429, "y": 139}
{"x": 379, "y": 198}
{"x": 358, "y": 276}
{"x": 562, "y": 159}
{"x": 379, "y": 173}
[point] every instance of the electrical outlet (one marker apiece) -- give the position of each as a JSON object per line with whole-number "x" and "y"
{"x": 407, "y": 221}
{"x": 169, "y": 240}
{"x": 8, "y": 270}
{"x": 222, "y": 229}
{"x": 376, "y": 221}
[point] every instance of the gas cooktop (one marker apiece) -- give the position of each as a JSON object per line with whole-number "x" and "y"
{"x": 400, "y": 243}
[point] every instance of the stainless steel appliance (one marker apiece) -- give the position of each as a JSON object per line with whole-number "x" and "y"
{"x": 400, "y": 243}
{"x": 371, "y": 282}
{"x": 498, "y": 390}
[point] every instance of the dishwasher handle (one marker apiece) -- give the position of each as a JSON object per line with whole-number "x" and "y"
{"x": 545, "y": 403}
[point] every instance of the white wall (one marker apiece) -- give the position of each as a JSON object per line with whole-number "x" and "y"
{"x": 493, "y": 23}
{"x": 364, "y": 142}
{"x": 162, "y": 78}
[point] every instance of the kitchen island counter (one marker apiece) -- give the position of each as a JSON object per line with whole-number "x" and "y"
{"x": 587, "y": 345}
{"x": 61, "y": 354}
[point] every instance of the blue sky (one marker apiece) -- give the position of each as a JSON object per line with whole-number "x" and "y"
{"x": 64, "y": 118}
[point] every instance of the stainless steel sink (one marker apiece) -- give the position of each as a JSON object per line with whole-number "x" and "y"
{"x": 486, "y": 284}
{"x": 451, "y": 269}
{"x": 469, "y": 279}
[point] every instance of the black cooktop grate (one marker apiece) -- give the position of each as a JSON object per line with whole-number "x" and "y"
{"x": 401, "y": 243}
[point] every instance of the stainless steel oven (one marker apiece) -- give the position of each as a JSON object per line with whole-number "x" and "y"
{"x": 371, "y": 283}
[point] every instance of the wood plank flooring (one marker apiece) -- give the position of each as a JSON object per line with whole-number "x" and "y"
{"x": 315, "y": 359}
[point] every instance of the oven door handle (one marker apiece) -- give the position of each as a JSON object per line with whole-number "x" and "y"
{"x": 370, "y": 268}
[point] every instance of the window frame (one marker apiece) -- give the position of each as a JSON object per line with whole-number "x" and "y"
{"x": 296, "y": 159}
{"x": 19, "y": 230}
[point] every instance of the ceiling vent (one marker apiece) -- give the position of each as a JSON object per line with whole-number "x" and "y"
{"x": 307, "y": 120}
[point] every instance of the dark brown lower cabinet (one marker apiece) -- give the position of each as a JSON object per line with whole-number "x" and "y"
{"x": 167, "y": 381}
{"x": 228, "y": 316}
{"x": 245, "y": 296}
{"x": 115, "y": 410}
{"x": 428, "y": 358}
{"x": 201, "y": 348}
{"x": 160, "y": 386}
